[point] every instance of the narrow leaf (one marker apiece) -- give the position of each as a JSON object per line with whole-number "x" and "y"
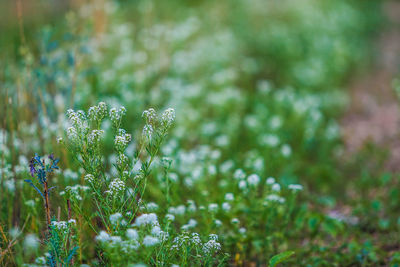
{"x": 279, "y": 258}
{"x": 71, "y": 254}
{"x": 37, "y": 189}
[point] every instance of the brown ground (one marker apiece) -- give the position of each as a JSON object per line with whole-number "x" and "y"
{"x": 374, "y": 113}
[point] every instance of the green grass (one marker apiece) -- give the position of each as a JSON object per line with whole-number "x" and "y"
{"x": 244, "y": 166}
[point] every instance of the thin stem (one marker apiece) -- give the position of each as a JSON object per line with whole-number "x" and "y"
{"x": 47, "y": 204}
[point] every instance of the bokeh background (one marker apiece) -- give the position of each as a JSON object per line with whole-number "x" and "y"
{"x": 300, "y": 90}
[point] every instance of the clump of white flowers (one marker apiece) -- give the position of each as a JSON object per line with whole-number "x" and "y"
{"x": 115, "y": 218}
{"x": 147, "y": 132}
{"x": 31, "y": 242}
{"x": 94, "y": 137}
{"x": 150, "y": 241}
{"x": 168, "y": 117}
{"x": 276, "y": 187}
{"x": 89, "y": 178}
{"x": 295, "y": 187}
{"x": 253, "y": 179}
{"x": 116, "y": 187}
{"x": 274, "y": 198}
{"x": 211, "y": 246}
{"x": 74, "y": 192}
{"x": 122, "y": 140}
{"x": 103, "y": 236}
{"x": 149, "y": 115}
{"x": 116, "y": 116}
{"x": 229, "y": 197}
{"x": 97, "y": 113}
{"x": 61, "y": 226}
{"x": 270, "y": 180}
{"x": 146, "y": 219}
{"x": 132, "y": 234}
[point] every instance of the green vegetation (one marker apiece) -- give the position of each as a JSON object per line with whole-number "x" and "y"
{"x": 244, "y": 165}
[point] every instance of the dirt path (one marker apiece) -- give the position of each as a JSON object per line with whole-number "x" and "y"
{"x": 374, "y": 113}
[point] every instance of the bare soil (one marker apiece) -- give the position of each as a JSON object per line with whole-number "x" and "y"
{"x": 374, "y": 113}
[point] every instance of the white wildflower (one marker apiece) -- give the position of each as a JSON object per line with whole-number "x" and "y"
{"x": 213, "y": 207}
{"x": 89, "y": 178}
{"x": 31, "y": 242}
{"x": 286, "y": 150}
{"x": 170, "y": 217}
{"x": 242, "y": 184}
{"x": 115, "y": 218}
{"x": 295, "y": 187}
{"x": 211, "y": 247}
{"x": 150, "y": 241}
{"x": 226, "y": 206}
{"x": 103, "y": 237}
{"x": 168, "y": 117}
{"x": 147, "y": 132}
{"x": 253, "y": 179}
{"x": 276, "y": 187}
{"x": 146, "y": 219}
{"x": 132, "y": 234}
{"x": 270, "y": 180}
{"x": 229, "y": 197}
{"x": 116, "y": 187}
{"x": 149, "y": 115}
{"x": 235, "y": 221}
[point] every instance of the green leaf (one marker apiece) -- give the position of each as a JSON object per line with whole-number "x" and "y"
{"x": 71, "y": 254}
{"x": 281, "y": 257}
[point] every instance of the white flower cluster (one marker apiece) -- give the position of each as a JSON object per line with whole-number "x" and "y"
{"x": 229, "y": 197}
{"x": 97, "y": 113}
{"x": 127, "y": 246}
{"x": 146, "y": 219}
{"x": 274, "y": 198}
{"x": 151, "y": 206}
{"x": 103, "y": 236}
{"x": 94, "y": 137}
{"x": 31, "y": 242}
{"x": 89, "y": 178}
{"x": 253, "y": 179}
{"x": 170, "y": 217}
{"x": 226, "y": 206}
{"x": 270, "y": 180}
{"x": 168, "y": 117}
{"x": 116, "y": 187}
{"x": 276, "y": 187}
{"x": 78, "y": 120}
{"x": 157, "y": 232}
{"x": 72, "y": 135}
{"x": 61, "y": 226}
{"x": 71, "y": 221}
{"x": 295, "y": 187}
{"x": 122, "y": 161}
{"x": 73, "y": 192}
{"x": 147, "y": 132}
{"x": 70, "y": 174}
{"x": 121, "y": 141}
{"x": 150, "y": 241}
{"x": 212, "y": 246}
{"x": 116, "y": 115}
{"x": 132, "y": 234}
{"x": 179, "y": 210}
{"x": 213, "y": 207}
{"x": 185, "y": 240}
{"x": 149, "y": 115}
{"x": 191, "y": 224}
{"x": 115, "y": 218}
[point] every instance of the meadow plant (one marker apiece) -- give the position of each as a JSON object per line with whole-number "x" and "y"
{"x": 251, "y": 172}
{"x": 60, "y": 237}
